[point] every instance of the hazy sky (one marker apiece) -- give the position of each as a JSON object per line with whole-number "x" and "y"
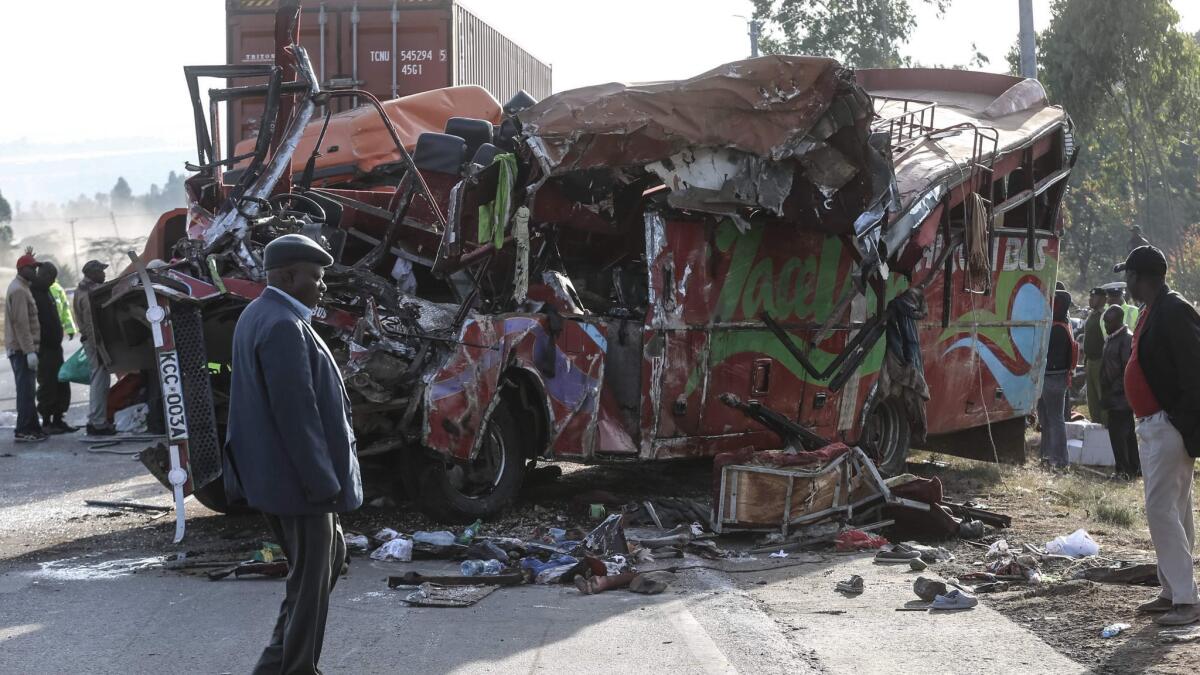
{"x": 81, "y": 70}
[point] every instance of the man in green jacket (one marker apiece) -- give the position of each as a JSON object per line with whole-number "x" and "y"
{"x": 1093, "y": 352}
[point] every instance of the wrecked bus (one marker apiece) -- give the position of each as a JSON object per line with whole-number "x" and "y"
{"x": 619, "y": 273}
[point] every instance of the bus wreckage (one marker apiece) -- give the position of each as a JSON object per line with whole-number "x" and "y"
{"x": 606, "y": 274}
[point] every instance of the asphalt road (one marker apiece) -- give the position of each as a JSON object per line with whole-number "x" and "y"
{"x": 82, "y": 590}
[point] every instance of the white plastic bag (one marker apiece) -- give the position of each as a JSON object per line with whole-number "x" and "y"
{"x": 396, "y": 549}
{"x": 998, "y": 549}
{"x": 131, "y": 420}
{"x": 1078, "y": 544}
{"x": 386, "y": 534}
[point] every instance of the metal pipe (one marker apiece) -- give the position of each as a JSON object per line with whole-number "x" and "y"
{"x": 322, "y": 19}
{"x": 395, "y": 22}
{"x": 354, "y": 49}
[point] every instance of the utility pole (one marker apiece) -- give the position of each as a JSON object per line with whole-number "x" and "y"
{"x": 1028, "y": 48}
{"x": 755, "y": 31}
{"x": 74, "y": 247}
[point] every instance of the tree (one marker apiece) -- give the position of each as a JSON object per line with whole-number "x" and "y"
{"x": 5, "y": 210}
{"x": 1131, "y": 81}
{"x": 859, "y": 34}
{"x": 121, "y": 194}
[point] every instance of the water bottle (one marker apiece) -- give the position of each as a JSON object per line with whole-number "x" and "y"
{"x": 481, "y": 568}
{"x": 469, "y": 533}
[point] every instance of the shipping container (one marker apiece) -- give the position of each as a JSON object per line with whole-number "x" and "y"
{"x": 391, "y": 48}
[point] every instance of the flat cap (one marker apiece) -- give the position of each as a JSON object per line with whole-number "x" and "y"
{"x": 94, "y": 265}
{"x": 1144, "y": 260}
{"x": 294, "y": 248}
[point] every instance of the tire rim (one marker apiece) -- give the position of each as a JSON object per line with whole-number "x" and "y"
{"x": 478, "y": 477}
{"x": 882, "y": 433}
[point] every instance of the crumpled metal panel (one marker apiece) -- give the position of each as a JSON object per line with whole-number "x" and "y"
{"x": 764, "y": 106}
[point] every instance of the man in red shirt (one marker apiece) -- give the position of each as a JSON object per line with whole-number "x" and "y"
{"x": 1162, "y": 384}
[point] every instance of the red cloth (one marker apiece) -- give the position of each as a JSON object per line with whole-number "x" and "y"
{"x": 25, "y": 261}
{"x": 857, "y": 540}
{"x": 1137, "y": 389}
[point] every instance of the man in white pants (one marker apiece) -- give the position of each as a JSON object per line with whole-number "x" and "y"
{"x": 1162, "y": 384}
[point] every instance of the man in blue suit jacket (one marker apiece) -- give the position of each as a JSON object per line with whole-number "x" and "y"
{"x": 290, "y": 449}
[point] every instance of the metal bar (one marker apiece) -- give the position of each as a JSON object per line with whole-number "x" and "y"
{"x": 256, "y": 90}
{"x": 322, "y": 19}
{"x": 395, "y": 22}
{"x": 354, "y": 49}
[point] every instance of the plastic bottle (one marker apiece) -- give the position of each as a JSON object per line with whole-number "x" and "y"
{"x": 481, "y": 568}
{"x": 439, "y": 538}
{"x": 469, "y": 533}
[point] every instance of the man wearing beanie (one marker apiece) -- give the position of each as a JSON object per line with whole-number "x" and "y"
{"x": 290, "y": 448}
{"x": 22, "y": 337}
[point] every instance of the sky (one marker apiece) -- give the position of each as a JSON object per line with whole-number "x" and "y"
{"x": 103, "y": 81}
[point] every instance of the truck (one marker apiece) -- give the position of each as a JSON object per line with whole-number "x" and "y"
{"x": 391, "y": 48}
{"x": 618, "y": 273}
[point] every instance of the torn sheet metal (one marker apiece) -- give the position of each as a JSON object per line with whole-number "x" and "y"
{"x": 764, "y": 106}
{"x": 724, "y": 180}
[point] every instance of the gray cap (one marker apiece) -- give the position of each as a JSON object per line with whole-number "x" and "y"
{"x": 294, "y": 248}
{"x": 94, "y": 265}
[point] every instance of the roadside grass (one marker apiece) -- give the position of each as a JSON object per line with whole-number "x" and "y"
{"x": 1113, "y": 503}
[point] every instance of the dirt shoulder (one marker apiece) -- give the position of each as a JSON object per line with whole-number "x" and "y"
{"x": 1066, "y": 613}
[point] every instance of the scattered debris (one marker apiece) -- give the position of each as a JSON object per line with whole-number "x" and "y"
{"x": 652, "y": 583}
{"x": 399, "y": 549}
{"x": 127, "y": 505}
{"x": 927, "y": 589}
{"x": 276, "y": 569}
{"x": 955, "y": 599}
{"x": 779, "y": 554}
{"x": 854, "y": 585}
{"x": 1114, "y": 630}
{"x": 918, "y": 565}
{"x": 1179, "y": 635}
{"x": 1078, "y": 544}
{"x": 1139, "y": 574}
{"x": 481, "y": 568}
{"x": 599, "y": 584}
{"x": 857, "y": 540}
{"x": 436, "y": 595}
{"x": 356, "y": 542}
{"x": 418, "y": 578}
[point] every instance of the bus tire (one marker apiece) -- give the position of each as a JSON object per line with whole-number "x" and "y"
{"x": 212, "y": 496}
{"x": 454, "y": 492}
{"x": 886, "y": 436}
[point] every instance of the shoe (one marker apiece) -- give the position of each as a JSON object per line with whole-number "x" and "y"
{"x": 1155, "y": 606}
{"x": 101, "y": 431}
{"x": 1180, "y": 615}
{"x": 29, "y": 437}
{"x": 897, "y": 556}
{"x": 955, "y": 599}
{"x": 63, "y": 427}
{"x": 853, "y": 585}
{"x": 927, "y": 589}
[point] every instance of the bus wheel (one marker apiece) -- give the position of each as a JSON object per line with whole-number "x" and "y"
{"x": 213, "y": 497}
{"x": 885, "y": 437}
{"x": 456, "y": 492}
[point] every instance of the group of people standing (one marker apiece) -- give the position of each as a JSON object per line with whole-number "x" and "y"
{"x": 1107, "y": 348}
{"x": 1143, "y": 380}
{"x": 38, "y": 315}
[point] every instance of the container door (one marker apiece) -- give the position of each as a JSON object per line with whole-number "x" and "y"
{"x": 421, "y": 60}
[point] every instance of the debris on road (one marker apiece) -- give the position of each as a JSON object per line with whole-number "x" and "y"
{"x": 1137, "y": 574}
{"x": 857, "y": 540}
{"x": 928, "y": 589}
{"x": 1113, "y": 630}
{"x": 1078, "y": 544}
{"x": 399, "y": 549}
{"x": 955, "y": 599}
{"x": 126, "y": 505}
{"x": 853, "y": 586}
{"x": 436, "y": 595}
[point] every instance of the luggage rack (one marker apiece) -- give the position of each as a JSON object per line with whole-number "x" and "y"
{"x": 907, "y": 129}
